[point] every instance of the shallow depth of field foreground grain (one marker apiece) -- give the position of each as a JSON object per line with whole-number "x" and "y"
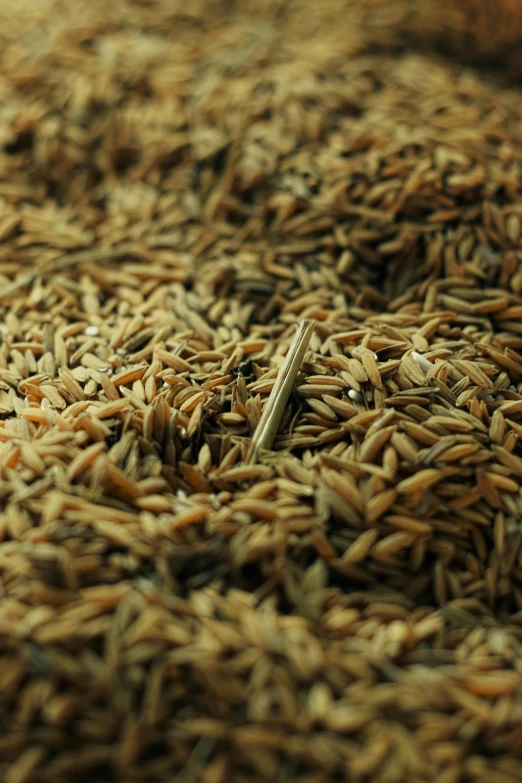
{"x": 182, "y": 184}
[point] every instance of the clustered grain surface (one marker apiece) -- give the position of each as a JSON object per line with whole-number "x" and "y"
{"x": 181, "y": 183}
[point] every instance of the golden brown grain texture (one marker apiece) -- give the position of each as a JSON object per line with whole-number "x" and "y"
{"x": 181, "y": 185}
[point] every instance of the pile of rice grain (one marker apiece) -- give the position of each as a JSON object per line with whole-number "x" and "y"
{"x": 180, "y": 185}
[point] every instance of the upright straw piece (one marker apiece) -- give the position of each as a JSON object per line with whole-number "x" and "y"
{"x": 270, "y": 420}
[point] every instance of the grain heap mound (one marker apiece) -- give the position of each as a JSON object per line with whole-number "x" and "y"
{"x": 180, "y": 185}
